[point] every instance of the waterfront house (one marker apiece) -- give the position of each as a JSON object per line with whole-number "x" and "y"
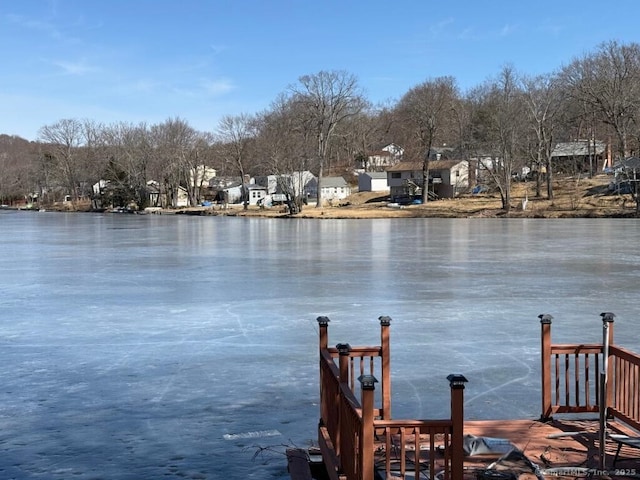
{"x": 447, "y": 178}
{"x": 580, "y": 156}
{"x": 257, "y": 193}
{"x": 301, "y": 184}
{"x": 334, "y": 188}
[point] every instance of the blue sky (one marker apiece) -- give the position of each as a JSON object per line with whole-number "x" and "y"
{"x": 150, "y": 60}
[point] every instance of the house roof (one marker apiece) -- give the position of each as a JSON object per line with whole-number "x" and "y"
{"x": 333, "y": 182}
{"x": 579, "y": 148}
{"x": 631, "y": 163}
{"x": 417, "y": 166}
{"x": 375, "y": 175}
{"x": 391, "y": 146}
{"x": 379, "y": 153}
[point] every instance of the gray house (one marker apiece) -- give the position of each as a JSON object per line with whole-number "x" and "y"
{"x": 580, "y": 156}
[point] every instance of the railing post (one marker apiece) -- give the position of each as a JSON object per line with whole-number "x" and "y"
{"x": 367, "y": 387}
{"x": 545, "y": 369}
{"x": 344, "y": 349}
{"x": 456, "y": 382}
{"x": 385, "y": 345}
{"x": 323, "y": 324}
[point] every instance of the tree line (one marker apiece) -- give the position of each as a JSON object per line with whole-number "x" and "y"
{"x": 324, "y": 123}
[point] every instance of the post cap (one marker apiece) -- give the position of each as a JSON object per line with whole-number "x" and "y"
{"x": 343, "y": 348}
{"x": 367, "y": 382}
{"x": 385, "y": 321}
{"x": 323, "y": 321}
{"x": 545, "y": 318}
{"x": 456, "y": 380}
{"x": 607, "y": 317}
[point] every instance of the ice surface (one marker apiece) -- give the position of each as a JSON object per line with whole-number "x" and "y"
{"x": 145, "y": 347}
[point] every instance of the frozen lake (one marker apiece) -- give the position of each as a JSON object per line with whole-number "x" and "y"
{"x": 148, "y": 347}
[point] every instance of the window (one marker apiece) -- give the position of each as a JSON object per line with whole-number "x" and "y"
{"x": 396, "y": 175}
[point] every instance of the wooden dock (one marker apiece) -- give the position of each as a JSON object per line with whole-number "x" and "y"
{"x": 561, "y": 449}
{"x": 582, "y": 385}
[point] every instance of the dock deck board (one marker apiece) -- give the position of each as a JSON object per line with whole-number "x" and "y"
{"x": 554, "y": 444}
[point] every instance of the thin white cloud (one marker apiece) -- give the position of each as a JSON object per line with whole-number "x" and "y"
{"x": 218, "y": 87}
{"x": 75, "y": 68}
{"x": 442, "y": 27}
{"x": 33, "y": 24}
{"x": 204, "y": 88}
{"x": 468, "y": 34}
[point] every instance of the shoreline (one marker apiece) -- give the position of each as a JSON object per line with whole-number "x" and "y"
{"x": 573, "y": 198}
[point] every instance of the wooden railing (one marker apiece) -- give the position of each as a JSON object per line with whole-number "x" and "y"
{"x": 573, "y": 380}
{"x": 624, "y": 402}
{"x": 355, "y": 422}
{"x": 417, "y": 448}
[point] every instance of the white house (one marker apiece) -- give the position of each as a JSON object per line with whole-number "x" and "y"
{"x": 299, "y": 184}
{"x": 334, "y": 188}
{"x": 257, "y": 193}
{"x": 378, "y": 160}
{"x": 447, "y": 178}
{"x": 373, "y": 182}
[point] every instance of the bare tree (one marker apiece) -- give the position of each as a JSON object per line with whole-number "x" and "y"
{"x": 173, "y": 143}
{"x": 543, "y": 101}
{"x": 283, "y": 140}
{"x": 360, "y": 134}
{"x": 425, "y": 109}
{"x": 63, "y": 140}
{"x": 498, "y": 126}
{"x": 130, "y": 154}
{"x": 18, "y": 173}
{"x": 608, "y": 81}
{"x": 327, "y": 98}
{"x": 235, "y": 133}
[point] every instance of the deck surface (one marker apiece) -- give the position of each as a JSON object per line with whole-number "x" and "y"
{"x": 558, "y": 443}
{"x": 563, "y": 444}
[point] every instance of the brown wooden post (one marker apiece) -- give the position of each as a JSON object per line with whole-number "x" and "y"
{"x": 385, "y": 345}
{"x": 456, "y": 383}
{"x": 367, "y": 387}
{"x": 323, "y": 324}
{"x": 344, "y": 349}
{"x": 545, "y": 369}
